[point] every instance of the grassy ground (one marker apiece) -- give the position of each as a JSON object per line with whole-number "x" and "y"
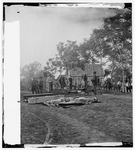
{"x": 108, "y": 121}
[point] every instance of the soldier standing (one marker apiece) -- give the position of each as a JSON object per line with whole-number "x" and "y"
{"x": 82, "y": 82}
{"x": 37, "y": 86}
{"x": 119, "y": 84}
{"x": 41, "y": 85}
{"x": 70, "y": 83}
{"x": 85, "y": 81}
{"x": 50, "y": 83}
{"x": 61, "y": 81}
{"x": 33, "y": 86}
{"x": 95, "y": 82}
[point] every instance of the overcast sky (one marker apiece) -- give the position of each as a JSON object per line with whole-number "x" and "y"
{"x": 42, "y": 28}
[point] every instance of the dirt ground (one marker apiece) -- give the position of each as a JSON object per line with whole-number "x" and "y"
{"x": 107, "y": 121}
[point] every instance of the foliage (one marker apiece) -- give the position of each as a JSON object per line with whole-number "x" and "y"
{"x": 118, "y": 35}
{"x": 117, "y": 74}
{"x": 28, "y": 71}
{"x": 31, "y": 69}
{"x": 87, "y": 52}
{"x": 54, "y": 65}
{"x": 71, "y": 55}
{"x": 68, "y": 57}
{"x": 112, "y": 41}
{"x": 107, "y": 72}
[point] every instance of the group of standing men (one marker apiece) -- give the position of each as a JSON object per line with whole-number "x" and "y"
{"x": 118, "y": 86}
{"x": 84, "y": 83}
{"x": 125, "y": 87}
{"x": 37, "y": 85}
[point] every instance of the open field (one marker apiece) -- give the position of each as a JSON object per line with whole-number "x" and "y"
{"x": 108, "y": 121}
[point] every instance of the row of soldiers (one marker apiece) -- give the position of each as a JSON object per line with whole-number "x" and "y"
{"x": 119, "y": 86}
{"x": 37, "y": 85}
{"x": 84, "y": 83}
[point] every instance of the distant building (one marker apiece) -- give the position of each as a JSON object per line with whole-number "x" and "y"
{"x": 77, "y": 73}
{"x": 90, "y": 68}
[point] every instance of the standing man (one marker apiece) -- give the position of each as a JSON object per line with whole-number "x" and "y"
{"x": 48, "y": 83}
{"x": 49, "y": 80}
{"x": 60, "y": 81}
{"x": 131, "y": 88}
{"x": 41, "y": 85}
{"x": 109, "y": 84}
{"x": 33, "y": 86}
{"x": 37, "y": 86}
{"x": 85, "y": 81}
{"x": 66, "y": 82}
{"x": 51, "y": 84}
{"x": 95, "y": 82}
{"x": 82, "y": 82}
{"x": 70, "y": 83}
{"x": 119, "y": 84}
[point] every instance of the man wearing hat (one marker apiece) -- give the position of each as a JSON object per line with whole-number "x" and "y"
{"x": 85, "y": 81}
{"x": 50, "y": 83}
{"x": 70, "y": 82}
{"x": 34, "y": 86}
{"x": 41, "y": 85}
{"x": 95, "y": 81}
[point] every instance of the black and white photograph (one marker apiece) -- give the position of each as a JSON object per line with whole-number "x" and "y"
{"x": 74, "y": 63}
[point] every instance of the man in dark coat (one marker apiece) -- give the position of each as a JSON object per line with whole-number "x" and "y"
{"x": 37, "y": 86}
{"x": 34, "y": 86}
{"x": 85, "y": 81}
{"x": 70, "y": 83}
{"x": 62, "y": 82}
{"x": 41, "y": 85}
{"x": 95, "y": 81}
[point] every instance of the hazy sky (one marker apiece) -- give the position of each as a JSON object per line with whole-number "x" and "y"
{"x": 42, "y": 28}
